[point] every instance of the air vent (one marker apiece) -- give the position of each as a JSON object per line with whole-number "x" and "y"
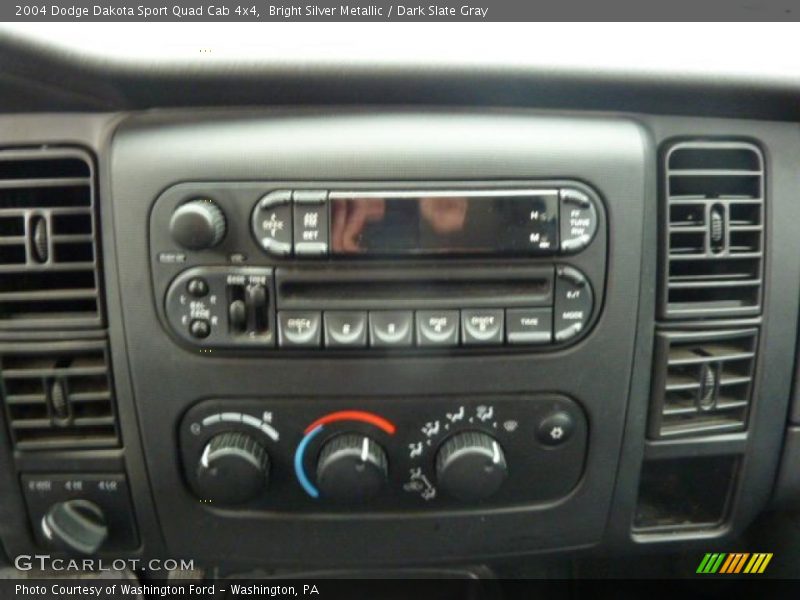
{"x": 58, "y": 395}
{"x": 48, "y": 252}
{"x": 715, "y": 230}
{"x": 704, "y": 382}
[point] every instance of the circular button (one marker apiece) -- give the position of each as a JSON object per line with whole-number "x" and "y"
{"x": 197, "y": 225}
{"x": 197, "y": 287}
{"x": 555, "y": 429}
{"x": 200, "y": 328}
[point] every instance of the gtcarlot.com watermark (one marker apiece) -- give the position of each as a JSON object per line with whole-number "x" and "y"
{"x": 44, "y": 562}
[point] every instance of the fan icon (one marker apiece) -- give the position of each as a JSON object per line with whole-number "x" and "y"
{"x": 556, "y": 433}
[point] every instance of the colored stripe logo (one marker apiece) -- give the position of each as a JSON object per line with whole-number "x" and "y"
{"x": 734, "y": 563}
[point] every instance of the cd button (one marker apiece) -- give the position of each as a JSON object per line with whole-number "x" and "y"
{"x": 529, "y": 325}
{"x": 482, "y": 326}
{"x": 272, "y": 223}
{"x": 345, "y": 329}
{"x": 299, "y": 328}
{"x": 437, "y": 327}
{"x": 390, "y": 328}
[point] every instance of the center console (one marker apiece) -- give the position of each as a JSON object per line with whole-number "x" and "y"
{"x": 385, "y": 326}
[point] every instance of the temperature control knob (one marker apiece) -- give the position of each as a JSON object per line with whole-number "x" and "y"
{"x": 351, "y": 468}
{"x": 233, "y": 469}
{"x": 197, "y": 225}
{"x": 471, "y": 466}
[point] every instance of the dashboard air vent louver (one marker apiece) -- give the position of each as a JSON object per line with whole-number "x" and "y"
{"x": 714, "y": 236}
{"x": 48, "y": 249}
{"x": 704, "y": 382}
{"x": 58, "y": 395}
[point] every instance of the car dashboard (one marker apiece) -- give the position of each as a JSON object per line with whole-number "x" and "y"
{"x": 392, "y": 315}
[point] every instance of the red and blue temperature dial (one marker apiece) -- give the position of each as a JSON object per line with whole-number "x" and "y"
{"x": 362, "y": 449}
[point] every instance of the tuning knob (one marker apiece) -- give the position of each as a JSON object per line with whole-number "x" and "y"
{"x": 233, "y": 469}
{"x": 351, "y": 468}
{"x": 197, "y": 225}
{"x": 471, "y": 466}
{"x": 75, "y": 525}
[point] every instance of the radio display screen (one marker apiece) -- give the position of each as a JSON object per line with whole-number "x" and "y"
{"x": 521, "y": 222}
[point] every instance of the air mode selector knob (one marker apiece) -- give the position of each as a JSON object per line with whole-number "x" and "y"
{"x": 471, "y": 466}
{"x": 197, "y": 225}
{"x": 233, "y": 469}
{"x": 351, "y": 468}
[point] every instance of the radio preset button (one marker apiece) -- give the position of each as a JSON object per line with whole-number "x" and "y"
{"x": 573, "y": 303}
{"x": 578, "y": 220}
{"x": 482, "y": 326}
{"x": 391, "y": 328}
{"x": 437, "y": 327}
{"x": 272, "y": 223}
{"x": 298, "y": 328}
{"x": 310, "y": 222}
{"x": 529, "y": 325}
{"x": 345, "y": 328}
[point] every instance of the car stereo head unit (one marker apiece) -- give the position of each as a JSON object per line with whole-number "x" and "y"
{"x": 346, "y": 266}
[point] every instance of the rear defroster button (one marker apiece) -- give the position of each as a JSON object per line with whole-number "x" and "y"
{"x": 573, "y": 303}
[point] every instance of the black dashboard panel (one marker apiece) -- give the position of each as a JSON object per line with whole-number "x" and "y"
{"x": 149, "y": 157}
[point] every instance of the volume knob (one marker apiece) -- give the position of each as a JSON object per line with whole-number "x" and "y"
{"x": 197, "y": 225}
{"x": 233, "y": 469}
{"x": 471, "y": 466}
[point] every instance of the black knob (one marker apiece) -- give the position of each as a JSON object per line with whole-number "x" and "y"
{"x": 233, "y": 469}
{"x": 197, "y": 225}
{"x": 471, "y": 466}
{"x": 351, "y": 468}
{"x": 75, "y": 525}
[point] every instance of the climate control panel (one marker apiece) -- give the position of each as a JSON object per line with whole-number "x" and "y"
{"x": 382, "y": 454}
